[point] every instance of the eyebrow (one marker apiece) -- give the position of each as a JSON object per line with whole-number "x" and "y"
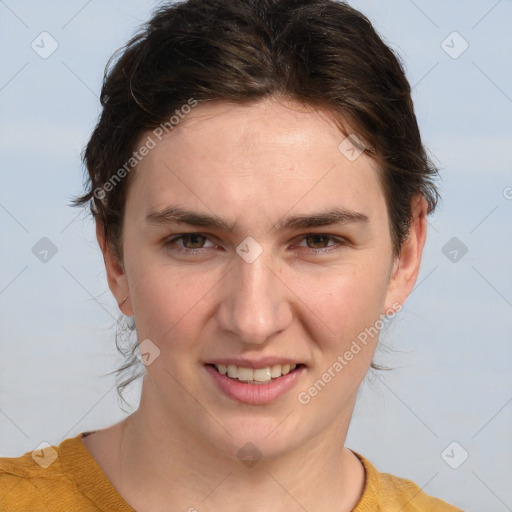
{"x": 176, "y": 214}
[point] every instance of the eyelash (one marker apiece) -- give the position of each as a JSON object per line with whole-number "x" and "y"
{"x": 170, "y": 243}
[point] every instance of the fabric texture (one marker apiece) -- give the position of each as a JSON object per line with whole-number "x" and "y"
{"x": 66, "y": 478}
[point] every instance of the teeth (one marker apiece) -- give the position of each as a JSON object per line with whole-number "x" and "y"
{"x": 260, "y": 374}
{"x": 245, "y": 374}
{"x": 275, "y": 371}
{"x": 255, "y": 375}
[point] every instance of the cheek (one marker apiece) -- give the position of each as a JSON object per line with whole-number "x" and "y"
{"x": 346, "y": 301}
{"x": 168, "y": 304}
{"x": 167, "y": 300}
{"x": 351, "y": 308}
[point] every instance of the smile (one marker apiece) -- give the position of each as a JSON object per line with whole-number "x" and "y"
{"x": 255, "y": 386}
{"x": 255, "y": 375}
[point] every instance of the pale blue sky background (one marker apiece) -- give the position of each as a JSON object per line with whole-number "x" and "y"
{"x": 454, "y": 381}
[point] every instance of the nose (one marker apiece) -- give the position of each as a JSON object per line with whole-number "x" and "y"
{"x": 256, "y": 302}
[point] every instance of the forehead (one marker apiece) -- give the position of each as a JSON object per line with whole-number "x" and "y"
{"x": 276, "y": 153}
{"x": 268, "y": 124}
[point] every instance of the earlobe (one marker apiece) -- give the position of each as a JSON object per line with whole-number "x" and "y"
{"x": 116, "y": 275}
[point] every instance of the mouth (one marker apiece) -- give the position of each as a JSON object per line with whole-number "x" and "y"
{"x": 256, "y": 376}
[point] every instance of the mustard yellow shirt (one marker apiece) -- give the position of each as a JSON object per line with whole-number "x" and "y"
{"x": 66, "y": 478}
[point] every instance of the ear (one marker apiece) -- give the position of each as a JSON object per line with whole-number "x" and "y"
{"x": 116, "y": 275}
{"x": 406, "y": 267}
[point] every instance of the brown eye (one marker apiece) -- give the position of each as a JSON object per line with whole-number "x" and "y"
{"x": 318, "y": 241}
{"x": 190, "y": 242}
{"x": 196, "y": 241}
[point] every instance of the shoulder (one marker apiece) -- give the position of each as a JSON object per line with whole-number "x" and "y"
{"x": 31, "y": 481}
{"x": 387, "y": 493}
{"x": 399, "y": 491}
{"x": 22, "y": 484}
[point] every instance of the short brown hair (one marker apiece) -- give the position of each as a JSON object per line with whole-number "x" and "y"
{"x": 320, "y": 53}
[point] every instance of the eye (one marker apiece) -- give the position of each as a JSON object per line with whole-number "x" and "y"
{"x": 192, "y": 242}
{"x": 319, "y": 241}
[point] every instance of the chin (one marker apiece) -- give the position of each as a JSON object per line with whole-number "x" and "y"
{"x": 248, "y": 439}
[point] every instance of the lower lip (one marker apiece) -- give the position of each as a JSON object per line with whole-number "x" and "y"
{"x": 255, "y": 394}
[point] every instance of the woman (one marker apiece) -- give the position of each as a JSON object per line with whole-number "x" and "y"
{"x": 260, "y": 192}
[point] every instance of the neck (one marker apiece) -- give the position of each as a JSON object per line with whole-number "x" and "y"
{"x": 157, "y": 464}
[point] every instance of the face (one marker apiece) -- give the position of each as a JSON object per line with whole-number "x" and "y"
{"x": 251, "y": 241}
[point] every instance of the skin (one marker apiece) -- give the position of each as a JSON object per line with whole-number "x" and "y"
{"x": 250, "y": 165}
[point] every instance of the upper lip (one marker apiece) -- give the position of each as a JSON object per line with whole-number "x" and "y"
{"x": 253, "y": 363}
